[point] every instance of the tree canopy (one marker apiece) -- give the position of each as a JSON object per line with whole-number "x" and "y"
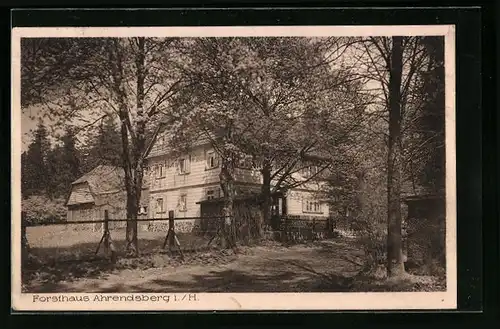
{"x": 362, "y": 111}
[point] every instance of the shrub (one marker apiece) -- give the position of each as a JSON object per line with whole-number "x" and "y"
{"x": 372, "y": 236}
{"x": 40, "y": 209}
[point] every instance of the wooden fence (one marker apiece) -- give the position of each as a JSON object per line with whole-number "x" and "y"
{"x": 304, "y": 229}
{"x": 291, "y": 230}
{"x": 108, "y": 245}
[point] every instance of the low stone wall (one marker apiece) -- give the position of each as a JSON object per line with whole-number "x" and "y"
{"x": 181, "y": 226}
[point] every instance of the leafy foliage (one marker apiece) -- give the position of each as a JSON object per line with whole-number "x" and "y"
{"x": 41, "y": 209}
{"x": 425, "y": 143}
{"x": 104, "y": 148}
{"x": 34, "y": 171}
{"x": 119, "y": 77}
{"x": 288, "y": 103}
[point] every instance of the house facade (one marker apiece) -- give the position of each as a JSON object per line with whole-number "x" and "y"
{"x": 182, "y": 182}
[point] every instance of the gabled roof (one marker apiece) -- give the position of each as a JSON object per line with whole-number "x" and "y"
{"x": 167, "y": 145}
{"x": 80, "y": 195}
{"x": 103, "y": 179}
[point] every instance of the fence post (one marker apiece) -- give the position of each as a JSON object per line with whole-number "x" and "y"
{"x": 24, "y": 239}
{"x": 106, "y": 232}
{"x": 171, "y": 229}
{"x": 313, "y": 233}
{"x": 286, "y": 229}
{"x": 330, "y": 226}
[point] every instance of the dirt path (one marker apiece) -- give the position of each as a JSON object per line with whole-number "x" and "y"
{"x": 263, "y": 269}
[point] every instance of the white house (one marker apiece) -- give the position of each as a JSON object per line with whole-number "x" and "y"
{"x": 179, "y": 182}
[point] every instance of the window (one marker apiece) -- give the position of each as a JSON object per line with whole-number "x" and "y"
{"x": 143, "y": 210}
{"x": 212, "y": 194}
{"x": 313, "y": 170}
{"x": 312, "y": 206}
{"x": 183, "y": 165}
{"x": 310, "y": 171}
{"x": 159, "y": 206}
{"x": 212, "y": 161}
{"x": 183, "y": 202}
{"x": 160, "y": 171}
{"x": 246, "y": 162}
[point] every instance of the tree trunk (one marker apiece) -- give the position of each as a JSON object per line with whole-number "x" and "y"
{"x": 395, "y": 264}
{"x": 138, "y": 147}
{"x": 132, "y": 247}
{"x": 266, "y": 198}
{"x": 25, "y": 247}
{"x": 227, "y": 184}
{"x": 132, "y": 151}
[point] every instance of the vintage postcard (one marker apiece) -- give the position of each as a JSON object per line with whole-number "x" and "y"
{"x": 233, "y": 168}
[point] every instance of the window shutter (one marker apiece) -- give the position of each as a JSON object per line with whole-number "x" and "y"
{"x": 304, "y": 205}
{"x": 216, "y": 156}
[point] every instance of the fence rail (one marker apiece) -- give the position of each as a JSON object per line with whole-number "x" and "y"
{"x": 101, "y": 221}
{"x": 170, "y": 239}
{"x": 170, "y": 235}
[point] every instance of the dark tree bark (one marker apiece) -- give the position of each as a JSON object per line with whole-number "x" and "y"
{"x": 266, "y": 197}
{"x": 133, "y": 147}
{"x": 432, "y": 123}
{"x": 395, "y": 264}
{"x": 227, "y": 185}
{"x": 139, "y": 144}
{"x": 25, "y": 247}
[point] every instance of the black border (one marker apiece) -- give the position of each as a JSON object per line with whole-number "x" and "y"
{"x": 245, "y": 17}
{"x": 470, "y": 187}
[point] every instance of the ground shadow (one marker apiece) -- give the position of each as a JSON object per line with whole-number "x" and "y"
{"x": 47, "y": 267}
{"x": 326, "y": 266}
{"x": 232, "y": 280}
{"x": 286, "y": 271}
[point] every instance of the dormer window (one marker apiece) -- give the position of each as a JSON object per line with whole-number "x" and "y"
{"x": 310, "y": 171}
{"x": 212, "y": 160}
{"x": 246, "y": 162}
{"x": 160, "y": 171}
